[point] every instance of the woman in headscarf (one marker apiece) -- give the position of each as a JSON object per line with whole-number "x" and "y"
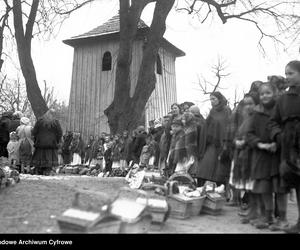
{"x": 25, "y": 144}
{"x": 211, "y": 167}
{"x": 4, "y": 133}
{"x": 47, "y": 134}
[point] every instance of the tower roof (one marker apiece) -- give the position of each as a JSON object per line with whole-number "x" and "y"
{"x": 112, "y": 27}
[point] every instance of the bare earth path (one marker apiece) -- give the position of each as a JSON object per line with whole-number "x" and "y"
{"x": 32, "y": 205}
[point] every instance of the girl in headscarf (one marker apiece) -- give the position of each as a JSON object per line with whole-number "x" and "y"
{"x": 211, "y": 167}
{"x": 47, "y": 134}
{"x": 25, "y": 144}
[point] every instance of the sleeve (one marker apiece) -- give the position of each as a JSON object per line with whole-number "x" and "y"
{"x": 274, "y": 123}
{"x": 252, "y": 138}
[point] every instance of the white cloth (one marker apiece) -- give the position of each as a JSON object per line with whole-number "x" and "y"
{"x": 76, "y": 159}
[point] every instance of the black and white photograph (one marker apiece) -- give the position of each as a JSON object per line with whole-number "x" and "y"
{"x": 148, "y": 117}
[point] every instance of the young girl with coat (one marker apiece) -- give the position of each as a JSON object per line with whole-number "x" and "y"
{"x": 240, "y": 178}
{"x": 265, "y": 159}
{"x": 285, "y": 129}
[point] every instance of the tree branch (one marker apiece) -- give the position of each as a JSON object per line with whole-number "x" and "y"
{"x": 31, "y": 20}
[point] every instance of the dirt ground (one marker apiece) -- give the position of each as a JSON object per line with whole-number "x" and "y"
{"x": 32, "y": 206}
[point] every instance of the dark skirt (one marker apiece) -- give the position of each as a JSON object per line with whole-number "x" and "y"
{"x": 274, "y": 184}
{"x": 210, "y": 168}
{"x": 25, "y": 152}
{"x": 45, "y": 158}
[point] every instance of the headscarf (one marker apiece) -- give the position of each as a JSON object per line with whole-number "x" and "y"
{"x": 222, "y": 100}
{"x": 24, "y": 121}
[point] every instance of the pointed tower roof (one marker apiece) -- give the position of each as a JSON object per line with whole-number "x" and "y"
{"x": 111, "y": 28}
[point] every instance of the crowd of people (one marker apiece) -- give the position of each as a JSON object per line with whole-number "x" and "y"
{"x": 253, "y": 150}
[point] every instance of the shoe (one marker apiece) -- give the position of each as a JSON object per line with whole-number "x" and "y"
{"x": 279, "y": 225}
{"x": 264, "y": 223}
{"x": 295, "y": 229}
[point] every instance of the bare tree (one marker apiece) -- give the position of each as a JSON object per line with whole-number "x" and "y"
{"x": 3, "y": 25}
{"x": 125, "y": 112}
{"x": 40, "y": 17}
{"x": 219, "y": 71}
{"x": 283, "y": 16}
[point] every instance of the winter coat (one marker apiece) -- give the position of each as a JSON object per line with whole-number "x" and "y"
{"x": 264, "y": 164}
{"x": 77, "y": 146}
{"x": 177, "y": 150}
{"x": 138, "y": 143}
{"x": 4, "y": 136}
{"x": 284, "y": 127}
{"x": 210, "y": 168}
{"x": 47, "y": 137}
{"x": 242, "y": 156}
{"x": 88, "y": 150}
{"x": 164, "y": 143}
{"x": 157, "y": 133}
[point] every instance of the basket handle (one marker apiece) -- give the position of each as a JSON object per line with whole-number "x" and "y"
{"x": 206, "y": 184}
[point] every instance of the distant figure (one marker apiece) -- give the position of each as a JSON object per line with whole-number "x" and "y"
{"x": 47, "y": 134}
{"x": 25, "y": 144}
{"x": 66, "y": 152}
{"x": 4, "y": 133}
{"x": 12, "y": 148}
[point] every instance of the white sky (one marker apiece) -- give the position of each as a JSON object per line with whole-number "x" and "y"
{"x": 235, "y": 41}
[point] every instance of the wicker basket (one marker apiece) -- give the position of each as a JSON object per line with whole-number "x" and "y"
{"x": 101, "y": 224}
{"x": 197, "y": 204}
{"x": 181, "y": 206}
{"x": 140, "y": 223}
{"x": 214, "y": 203}
{"x": 157, "y": 203}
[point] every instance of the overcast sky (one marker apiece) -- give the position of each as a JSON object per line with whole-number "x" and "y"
{"x": 235, "y": 41}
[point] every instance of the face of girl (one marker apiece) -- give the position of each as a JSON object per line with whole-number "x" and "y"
{"x": 266, "y": 94}
{"x": 175, "y": 109}
{"x": 214, "y": 100}
{"x": 292, "y": 76}
{"x": 249, "y": 104}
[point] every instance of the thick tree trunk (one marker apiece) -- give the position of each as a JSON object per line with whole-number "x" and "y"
{"x": 125, "y": 113}
{"x": 23, "y": 40}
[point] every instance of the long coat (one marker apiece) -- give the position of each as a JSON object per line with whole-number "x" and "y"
{"x": 242, "y": 156}
{"x": 210, "y": 168}
{"x": 264, "y": 164}
{"x": 4, "y": 136}
{"x": 285, "y": 129}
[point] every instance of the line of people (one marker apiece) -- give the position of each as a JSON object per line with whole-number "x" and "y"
{"x": 252, "y": 150}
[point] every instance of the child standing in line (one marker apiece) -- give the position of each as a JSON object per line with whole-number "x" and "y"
{"x": 265, "y": 160}
{"x": 285, "y": 129}
{"x": 12, "y": 148}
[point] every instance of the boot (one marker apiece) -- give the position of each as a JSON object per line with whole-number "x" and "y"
{"x": 281, "y": 224}
{"x": 266, "y": 221}
{"x": 295, "y": 229}
{"x": 252, "y": 214}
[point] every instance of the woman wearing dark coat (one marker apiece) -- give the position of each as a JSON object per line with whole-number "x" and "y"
{"x": 47, "y": 134}
{"x": 4, "y": 133}
{"x": 164, "y": 143}
{"x": 285, "y": 129}
{"x": 210, "y": 167}
{"x": 66, "y": 152}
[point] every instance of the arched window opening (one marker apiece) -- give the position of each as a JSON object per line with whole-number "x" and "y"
{"x": 106, "y": 61}
{"x": 158, "y": 65}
